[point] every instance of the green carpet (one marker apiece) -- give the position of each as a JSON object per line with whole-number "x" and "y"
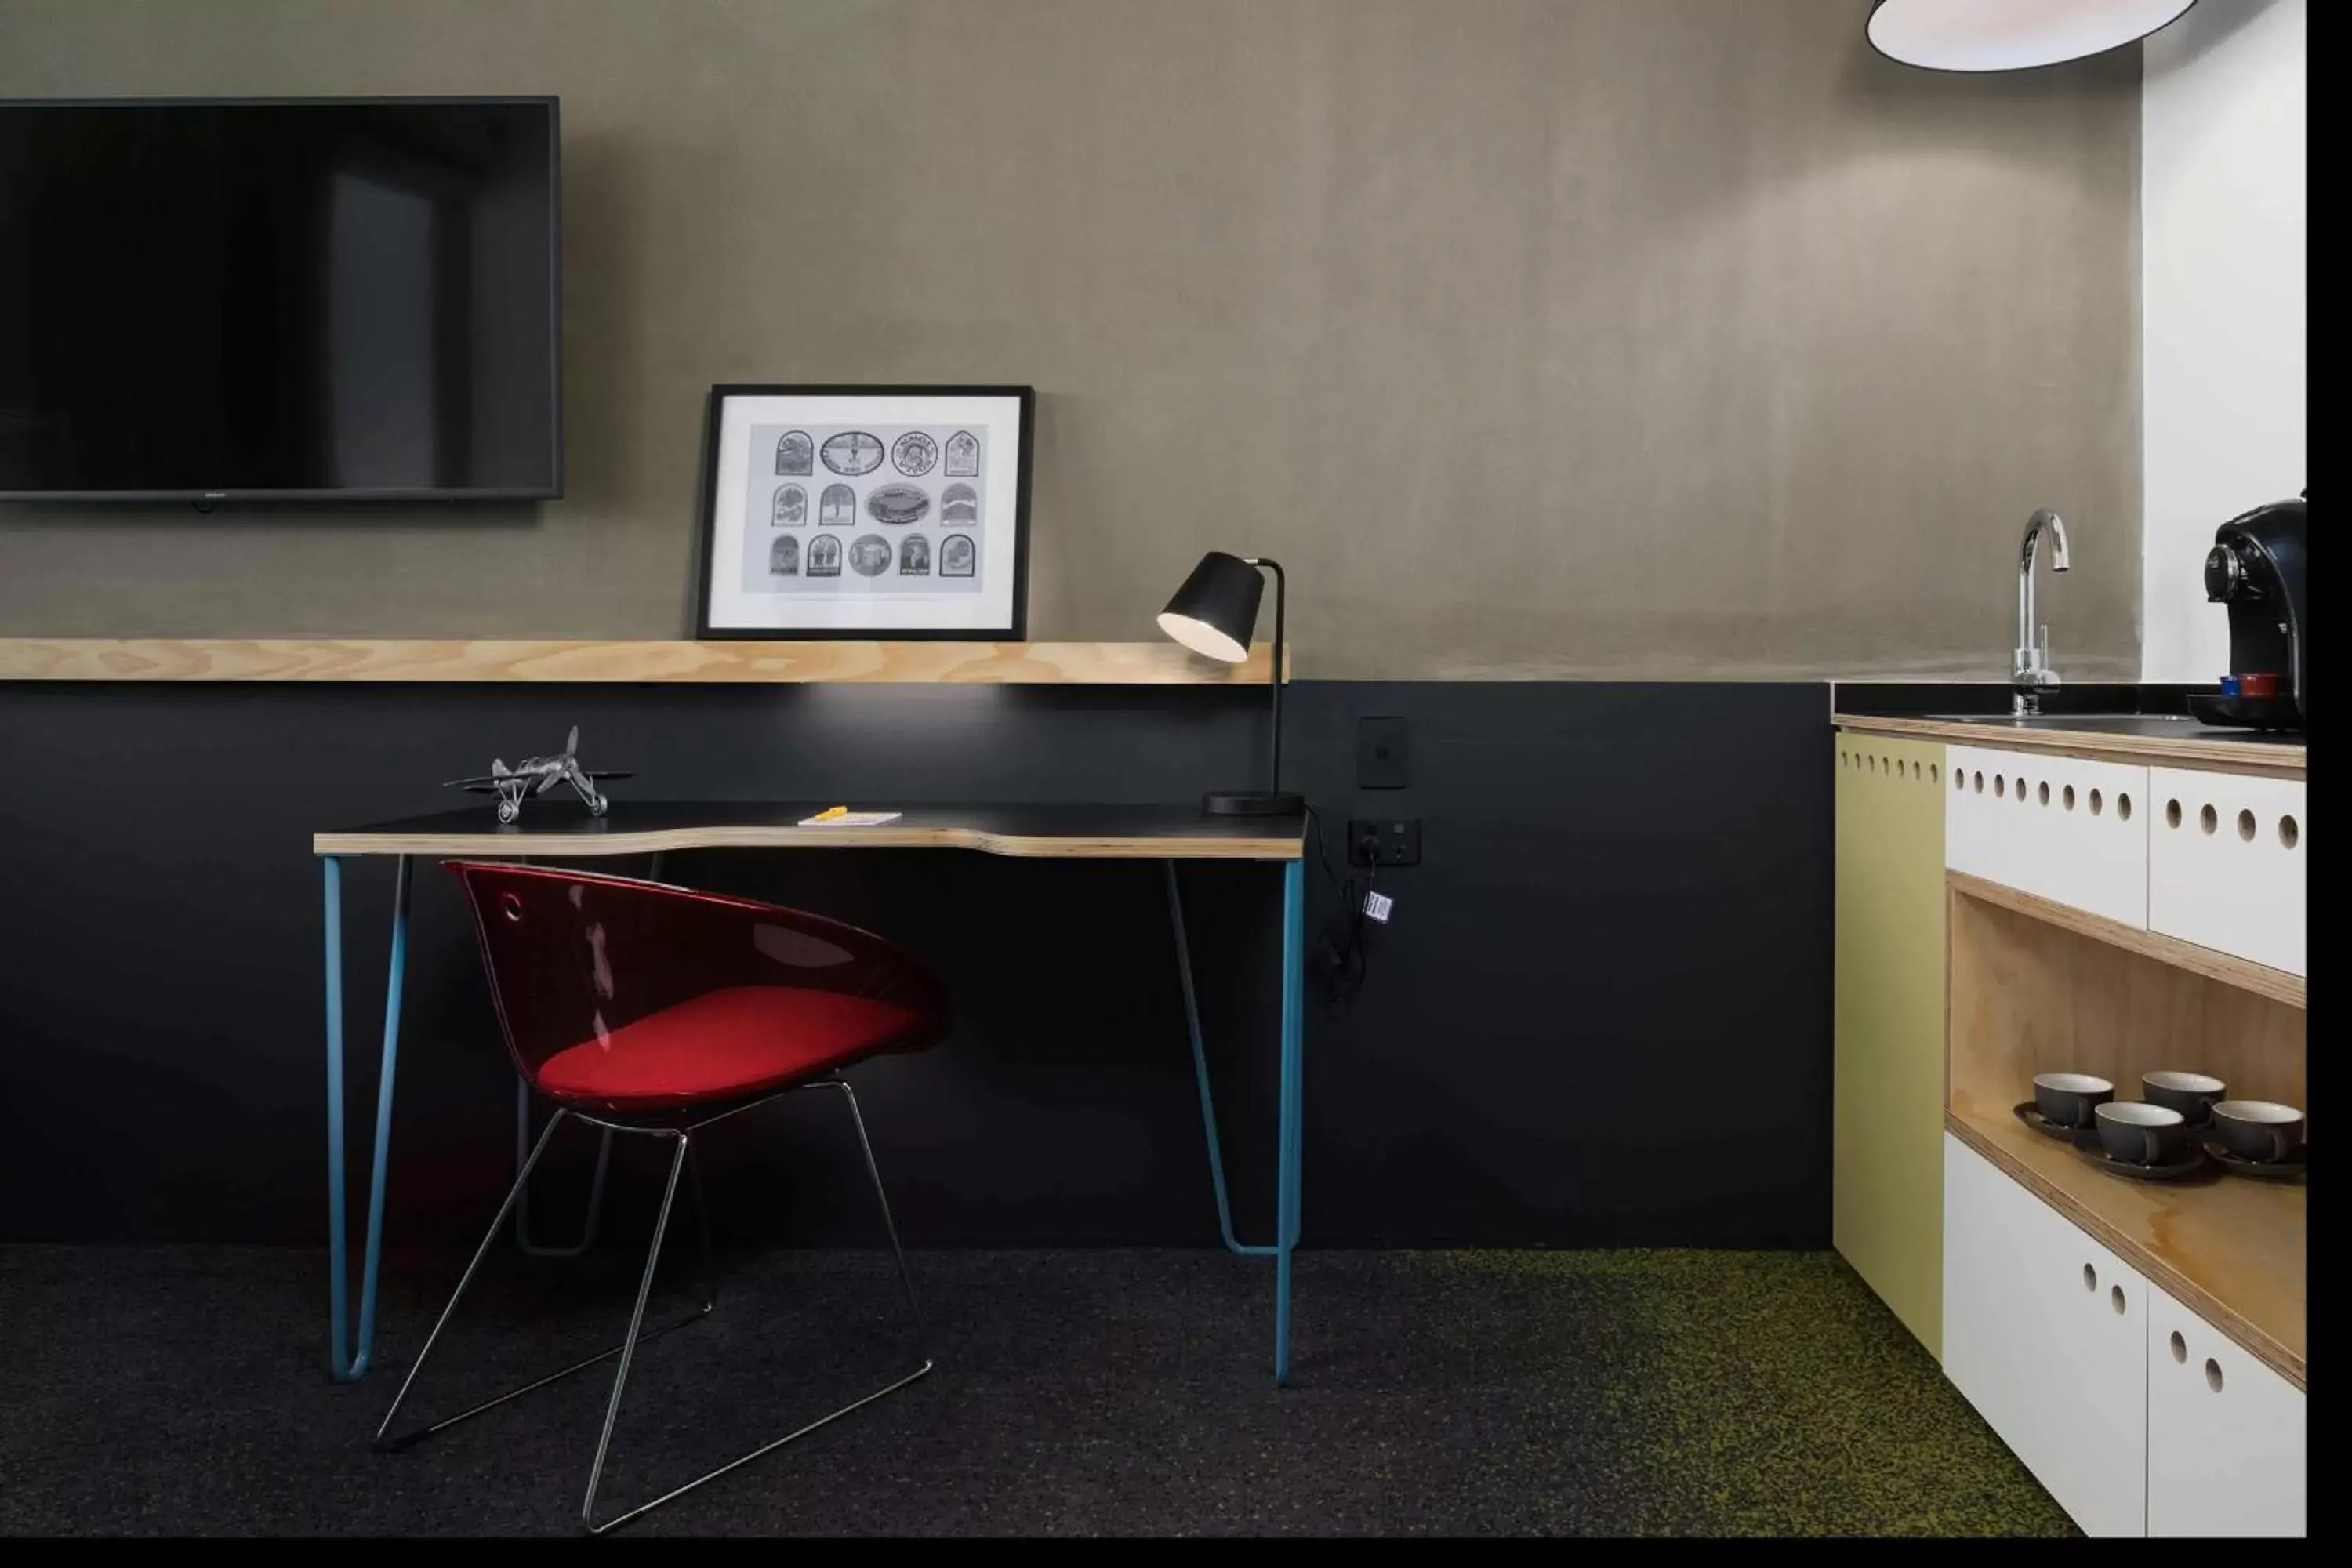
{"x": 1772, "y": 1394}
{"x": 182, "y": 1390}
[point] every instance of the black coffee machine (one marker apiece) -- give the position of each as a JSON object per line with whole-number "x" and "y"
{"x": 2256, "y": 568}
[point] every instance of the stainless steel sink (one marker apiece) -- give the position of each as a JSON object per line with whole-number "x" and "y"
{"x": 2095, "y": 723}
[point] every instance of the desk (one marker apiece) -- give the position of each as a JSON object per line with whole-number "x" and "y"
{"x": 558, "y": 829}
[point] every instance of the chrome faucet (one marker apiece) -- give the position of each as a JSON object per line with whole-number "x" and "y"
{"x": 2030, "y": 674}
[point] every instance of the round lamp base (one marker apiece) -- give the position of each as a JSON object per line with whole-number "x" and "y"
{"x": 1253, "y": 803}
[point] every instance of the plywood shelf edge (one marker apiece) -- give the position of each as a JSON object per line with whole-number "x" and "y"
{"x": 2243, "y": 974}
{"x": 686, "y": 663}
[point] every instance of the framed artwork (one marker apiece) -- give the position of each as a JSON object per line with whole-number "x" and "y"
{"x": 866, "y": 511}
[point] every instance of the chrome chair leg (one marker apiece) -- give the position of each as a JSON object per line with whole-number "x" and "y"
{"x": 906, "y": 1279}
{"x": 595, "y": 1187}
{"x": 629, "y": 1345}
{"x": 472, "y": 1268}
{"x": 522, "y": 1177}
{"x": 889, "y": 1225}
{"x": 702, "y": 1225}
{"x": 682, "y": 1158}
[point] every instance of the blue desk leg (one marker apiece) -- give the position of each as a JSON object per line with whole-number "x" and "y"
{"x": 1293, "y": 955}
{"x": 1289, "y": 1123}
{"x": 348, "y": 1364}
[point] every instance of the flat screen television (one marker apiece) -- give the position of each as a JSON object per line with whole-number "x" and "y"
{"x": 331, "y": 298}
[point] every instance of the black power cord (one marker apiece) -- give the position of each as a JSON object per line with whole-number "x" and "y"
{"x": 1338, "y": 958}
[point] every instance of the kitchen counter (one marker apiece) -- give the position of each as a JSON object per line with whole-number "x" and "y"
{"x": 2108, "y": 724}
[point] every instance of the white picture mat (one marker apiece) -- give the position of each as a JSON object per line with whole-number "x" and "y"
{"x": 732, "y": 609}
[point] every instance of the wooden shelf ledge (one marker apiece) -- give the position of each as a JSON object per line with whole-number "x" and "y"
{"x": 753, "y": 663}
{"x": 2229, "y": 970}
{"x": 2230, "y": 1249}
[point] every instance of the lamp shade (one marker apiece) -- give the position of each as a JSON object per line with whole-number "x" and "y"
{"x": 1215, "y": 611}
{"x": 2011, "y": 35}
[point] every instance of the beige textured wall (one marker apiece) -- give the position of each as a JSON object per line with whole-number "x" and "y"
{"x": 1539, "y": 337}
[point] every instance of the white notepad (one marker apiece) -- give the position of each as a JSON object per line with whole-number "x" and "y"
{"x": 851, "y": 819}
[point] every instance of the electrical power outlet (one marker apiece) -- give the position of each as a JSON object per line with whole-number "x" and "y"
{"x": 1384, "y": 841}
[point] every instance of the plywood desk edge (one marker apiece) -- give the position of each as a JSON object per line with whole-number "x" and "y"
{"x": 648, "y": 841}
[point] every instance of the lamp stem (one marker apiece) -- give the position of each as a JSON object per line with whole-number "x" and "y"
{"x": 1281, "y": 597}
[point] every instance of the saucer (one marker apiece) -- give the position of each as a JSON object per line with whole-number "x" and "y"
{"x": 2260, "y": 1169}
{"x": 2032, "y": 1116}
{"x": 2132, "y": 1169}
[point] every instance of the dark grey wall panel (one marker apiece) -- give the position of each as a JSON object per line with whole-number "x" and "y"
{"x": 1601, "y": 1015}
{"x": 1604, "y": 338}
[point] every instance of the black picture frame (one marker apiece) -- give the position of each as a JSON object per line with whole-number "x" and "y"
{"x": 1014, "y": 628}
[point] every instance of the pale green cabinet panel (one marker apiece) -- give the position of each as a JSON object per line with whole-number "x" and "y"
{"x": 1888, "y": 1213}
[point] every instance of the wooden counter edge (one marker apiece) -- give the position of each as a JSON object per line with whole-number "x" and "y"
{"x": 2264, "y": 758}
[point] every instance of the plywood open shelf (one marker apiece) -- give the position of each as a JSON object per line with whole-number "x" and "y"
{"x": 2244, "y": 974}
{"x": 473, "y": 659}
{"x": 2033, "y": 987}
{"x": 2228, "y": 1248}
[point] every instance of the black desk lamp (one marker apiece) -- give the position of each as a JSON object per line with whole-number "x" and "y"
{"x": 1213, "y": 614}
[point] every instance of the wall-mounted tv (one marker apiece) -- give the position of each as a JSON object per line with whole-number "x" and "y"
{"x": 298, "y": 300}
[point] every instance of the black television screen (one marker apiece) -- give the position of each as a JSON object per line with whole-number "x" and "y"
{"x": 211, "y": 301}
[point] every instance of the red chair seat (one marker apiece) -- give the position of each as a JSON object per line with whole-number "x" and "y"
{"x": 734, "y": 1042}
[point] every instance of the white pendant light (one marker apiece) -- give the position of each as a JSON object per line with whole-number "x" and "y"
{"x": 2011, "y": 35}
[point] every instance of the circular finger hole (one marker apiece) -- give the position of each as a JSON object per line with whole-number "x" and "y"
{"x": 2115, "y": 1298}
{"x": 1979, "y": 778}
{"x": 2213, "y": 1374}
{"x": 2069, "y": 797}
{"x": 2090, "y": 1278}
{"x": 2172, "y": 813}
{"x": 2289, "y": 834}
{"x": 510, "y": 906}
{"x": 2122, "y": 807}
{"x": 2000, "y": 786}
{"x": 2246, "y": 827}
{"x": 1934, "y": 773}
{"x": 2098, "y": 802}
{"x": 2042, "y": 791}
{"x": 2180, "y": 1348}
{"x": 2209, "y": 819}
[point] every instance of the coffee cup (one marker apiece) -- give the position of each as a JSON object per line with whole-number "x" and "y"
{"x": 2068, "y": 1098}
{"x": 2142, "y": 1133}
{"x": 2193, "y": 1094}
{"x": 2262, "y": 1131}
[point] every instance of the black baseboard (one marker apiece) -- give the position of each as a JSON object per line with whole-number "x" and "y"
{"x": 1601, "y": 1015}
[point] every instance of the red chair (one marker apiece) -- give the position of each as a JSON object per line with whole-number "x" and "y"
{"x": 651, "y": 1009}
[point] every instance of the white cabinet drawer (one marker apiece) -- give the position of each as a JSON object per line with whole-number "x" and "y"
{"x": 2225, "y": 863}
{"x": 2072, "y": 831}
{"x": 2045, "y": 1331}
{"x": 2225, "y": 1433}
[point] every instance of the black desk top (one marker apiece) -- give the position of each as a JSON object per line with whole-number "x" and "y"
{"x": 561, "y": 828}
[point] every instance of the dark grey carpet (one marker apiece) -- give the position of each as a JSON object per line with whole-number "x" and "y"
{"x": 183, "y": 1390}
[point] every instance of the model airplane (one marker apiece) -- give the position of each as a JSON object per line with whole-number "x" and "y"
{"x": 537, "y": 775}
